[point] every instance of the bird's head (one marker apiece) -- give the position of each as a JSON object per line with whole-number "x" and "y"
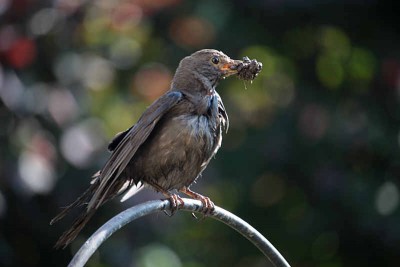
{"x": 213, "y": 63}
{"x": 206, "y": 68}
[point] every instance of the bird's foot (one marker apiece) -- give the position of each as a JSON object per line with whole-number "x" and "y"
{"x": 176, "y": 203}
{"x": 208, "y": 205}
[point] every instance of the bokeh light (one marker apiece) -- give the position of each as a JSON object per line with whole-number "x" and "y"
{"x": 11, "y": 91}
{"x": 313, "y": 121}
{"x": 68, "y": 68}
{"x": 126, "y": 15}
{"x": 157, "y": 255}
{"x": 362, "y": 67}
{"x": 44, "y": 21}
{"x": 151, "y": 81}
{"x": 36, "y": 162}
{"x": 330, "y": 71}
{"x": 36, "y": 174}
{"x": 387, "y": 198}
{"x": 334, "y": 41}
{"x": 311, "y": 158}
{"x": 8, "y": 35}
{"x": 125, "y": 52}
{"x": 4, "y": 4}
{"x": 62, "y": 106}
{"x": 21, "y": 53}
{"x": 80, "y": 142}
{"x": 98, "y": 73}
{"x": 192, "y": 32}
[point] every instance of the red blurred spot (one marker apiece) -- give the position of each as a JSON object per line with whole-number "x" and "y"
{"x": 126, "y": 15}
{"x": 313, "y": 121}
{"x": 21, "y": 53}
{"x": 192, "y": 32}
{"x": 41, "y": 145}
{"x": 68, "y": 7}
{"x": 152, "y": 81}
{"x": 391, "y": 72}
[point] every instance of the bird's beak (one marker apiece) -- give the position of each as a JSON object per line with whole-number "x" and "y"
{"x": 230, "y": 67}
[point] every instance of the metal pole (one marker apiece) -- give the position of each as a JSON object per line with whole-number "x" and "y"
{"x": 133, "y": 213}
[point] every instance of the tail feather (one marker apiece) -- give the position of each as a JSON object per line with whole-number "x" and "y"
{"x": 68, "y": 236}
{"x": 113, "y": 188}
{"x": 78, "y": 202}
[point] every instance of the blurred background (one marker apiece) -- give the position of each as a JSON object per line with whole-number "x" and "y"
{"x": 311, "y": 158}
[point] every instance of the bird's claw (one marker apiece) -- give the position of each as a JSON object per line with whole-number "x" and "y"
{"x": 175, "y": 203}
{"x": 207, "y": 208}
{"x": 208, "y": 205}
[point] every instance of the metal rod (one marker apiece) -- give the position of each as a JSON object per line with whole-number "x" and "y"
{"x": 133, "y": 213}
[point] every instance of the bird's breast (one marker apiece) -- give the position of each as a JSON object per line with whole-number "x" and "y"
{"x": 192, "y": 131}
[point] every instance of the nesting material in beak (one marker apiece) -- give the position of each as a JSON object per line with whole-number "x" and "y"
{"x": 245, "y": 69}
{"x": 248, "y": 69}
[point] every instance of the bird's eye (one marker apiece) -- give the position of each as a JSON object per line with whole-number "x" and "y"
{"x": 215, "y": 60}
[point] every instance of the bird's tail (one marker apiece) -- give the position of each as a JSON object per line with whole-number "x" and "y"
{"x": 112, "y": 188}
{"x": 80, "y": 201}
{"x": 68, "y": 236}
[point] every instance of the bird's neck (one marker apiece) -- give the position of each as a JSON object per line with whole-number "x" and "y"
{"x": 198, "y": 90}
{"x": 193, "y": 83}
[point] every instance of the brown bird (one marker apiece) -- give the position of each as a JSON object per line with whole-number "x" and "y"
{"x": 172, "y": 142}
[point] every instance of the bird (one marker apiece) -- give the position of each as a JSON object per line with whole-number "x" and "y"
{"x": 172, "y": 142}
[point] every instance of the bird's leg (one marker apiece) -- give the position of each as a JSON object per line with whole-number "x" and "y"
{"x": 208, "y": 205}
{"x": 175, "y": 201}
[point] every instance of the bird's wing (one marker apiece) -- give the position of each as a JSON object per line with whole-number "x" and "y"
{"x": 128, "y": 143}
{"x": 222, "y": 111}
{"x": 117, "y": 139}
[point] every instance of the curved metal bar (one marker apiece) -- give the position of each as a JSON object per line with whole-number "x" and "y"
{"x": 133, "y": 213}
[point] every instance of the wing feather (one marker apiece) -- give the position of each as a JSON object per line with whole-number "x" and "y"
{"x": 222, "y": 111}
{"x": 130, "y": 143}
